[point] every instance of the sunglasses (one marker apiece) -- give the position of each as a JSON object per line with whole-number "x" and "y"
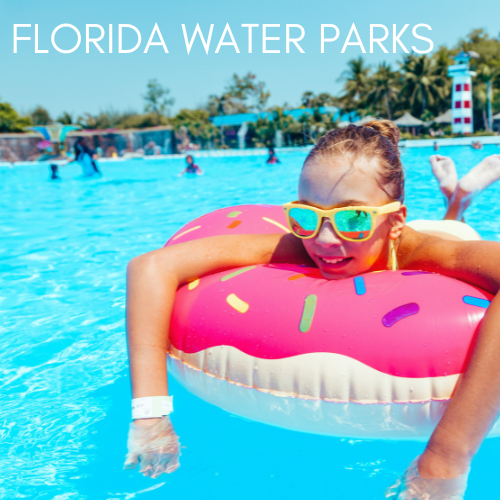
{"x": 350, "y": 223}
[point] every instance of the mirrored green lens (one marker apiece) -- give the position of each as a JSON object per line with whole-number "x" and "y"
{"x": 354, "y": 224}
{"x": 303, "y": 221}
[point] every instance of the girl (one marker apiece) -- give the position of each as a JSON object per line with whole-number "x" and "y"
{"x": 86, "y": 156}
{"x": 272, "y": 158}
{"x": 191, "y": 167}
{"x": 354, "y": 166}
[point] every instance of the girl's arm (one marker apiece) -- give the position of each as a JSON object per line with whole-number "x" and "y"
{"x": 153, "y": 279}
{"x": 475, "y": 262}
{"x": 476, "y": 402}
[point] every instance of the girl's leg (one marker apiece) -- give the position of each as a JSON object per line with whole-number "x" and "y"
{"x": 471, "y": 184}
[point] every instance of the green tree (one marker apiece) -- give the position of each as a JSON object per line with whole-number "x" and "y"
{"x": 320, "y": 123}
{"x": 145, "y": 120}
{"x": 307, "y": 99}
{"x": 356, "y": 82}
{"x": 111, "y": 119}
{"x": 311, "y": 100}
{"x": 40, "y": 116}
{"x": 383, "y": 90}
{"x": 423, "y": 84}
{"x": 280, "y": 118}
{"x": 443, "y": 58}
{"x": 262, "y": 132}
{"x": 198, "y": 125}
{"x": 484, "y": 91}
{"x": 65, "y": 118}
{"x": 486, "y": 48}
{"x": 225, "y": 105}
{"x": 249, "y": 91}
{"x": 156, "y": 98}
{"x": 241, "y": 95}
{"x": 10, "y": 121}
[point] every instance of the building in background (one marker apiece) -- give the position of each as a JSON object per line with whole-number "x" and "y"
{"x": 461, "y": 97}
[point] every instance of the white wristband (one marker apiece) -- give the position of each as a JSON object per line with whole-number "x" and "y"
{"x": 152, "y": 407}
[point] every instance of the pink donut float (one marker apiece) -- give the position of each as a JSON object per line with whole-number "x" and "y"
{"x": 374, "y": 356}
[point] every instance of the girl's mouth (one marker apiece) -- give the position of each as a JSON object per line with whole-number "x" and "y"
{"x": 334, "y": 262}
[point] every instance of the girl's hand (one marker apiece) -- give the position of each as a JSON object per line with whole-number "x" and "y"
{"x": 154, "y": 445}
{"x": 413, "y": 487}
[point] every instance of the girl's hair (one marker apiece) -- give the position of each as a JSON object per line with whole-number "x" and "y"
{"x": 374, "y": 139}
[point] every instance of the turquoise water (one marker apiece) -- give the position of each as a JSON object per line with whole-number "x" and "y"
{"x": 64, "y": 383}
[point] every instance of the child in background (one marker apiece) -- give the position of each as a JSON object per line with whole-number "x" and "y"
{"x": 191, "y": 167}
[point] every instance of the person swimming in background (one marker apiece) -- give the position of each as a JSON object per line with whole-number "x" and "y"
{"x": 51, "y": 151}
{"x": 348, "y": 167}
{"x": 272, "y": 159}
{"x": 436, "y": 146}
{"x": 191, "y": 167}
{"x": 85, "y": 156}
{"x": 54, "y": 171}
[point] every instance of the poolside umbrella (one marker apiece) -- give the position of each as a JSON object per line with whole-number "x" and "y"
{"x": 444, "y": 118}
{"x": 408, "y": 121}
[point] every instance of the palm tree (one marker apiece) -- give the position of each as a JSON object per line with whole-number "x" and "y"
{"x": 219, "y": 105}
{"x": 356, "y": 78}
{"x": 65, "y": 118}
{"x": 483, "y": 90}
{"x": 384, "y": 87}
{"x": 423, "y": 82}
{"x": 443, "y": 58}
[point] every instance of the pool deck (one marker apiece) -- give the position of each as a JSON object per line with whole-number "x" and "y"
{"x": 458, "y": 141}
{"x": 405, "y": 143}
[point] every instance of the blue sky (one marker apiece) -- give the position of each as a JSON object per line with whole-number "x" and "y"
{"x": 80, "y": 82}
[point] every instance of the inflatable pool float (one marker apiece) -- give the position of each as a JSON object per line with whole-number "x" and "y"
{"x": 374, "y": 356}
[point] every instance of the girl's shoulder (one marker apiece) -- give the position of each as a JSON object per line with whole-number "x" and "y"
{"x": 414, "y": 244}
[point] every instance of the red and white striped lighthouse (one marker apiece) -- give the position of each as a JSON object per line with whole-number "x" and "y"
{"x": 461, "y": 102}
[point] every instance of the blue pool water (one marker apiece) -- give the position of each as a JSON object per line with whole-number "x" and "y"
{"x": 64, "y": 385}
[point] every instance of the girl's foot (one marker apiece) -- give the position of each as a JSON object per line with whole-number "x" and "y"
{"x": 471, "y": 184}
{"x": 481, "y": 176}
{"x": 444, "y": 171}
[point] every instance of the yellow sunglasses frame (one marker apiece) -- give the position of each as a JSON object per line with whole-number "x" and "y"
{"x": 374, "y": 212}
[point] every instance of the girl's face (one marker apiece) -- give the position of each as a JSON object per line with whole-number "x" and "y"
{"x": 341, "y": 181}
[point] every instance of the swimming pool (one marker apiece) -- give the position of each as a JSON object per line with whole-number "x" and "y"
{"x": 64, "y": 382}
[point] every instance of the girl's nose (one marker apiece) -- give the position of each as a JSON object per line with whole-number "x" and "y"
{"x": 327, "y": 236}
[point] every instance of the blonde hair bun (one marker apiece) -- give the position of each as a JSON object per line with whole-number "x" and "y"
{"x": 386, "y": 128}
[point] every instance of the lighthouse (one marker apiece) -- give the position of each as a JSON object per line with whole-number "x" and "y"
{"x": 461, "y": 97}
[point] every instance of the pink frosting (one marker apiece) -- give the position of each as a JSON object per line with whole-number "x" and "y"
{"x": 248, "y": 221}
{"x": 401, "y": 323}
